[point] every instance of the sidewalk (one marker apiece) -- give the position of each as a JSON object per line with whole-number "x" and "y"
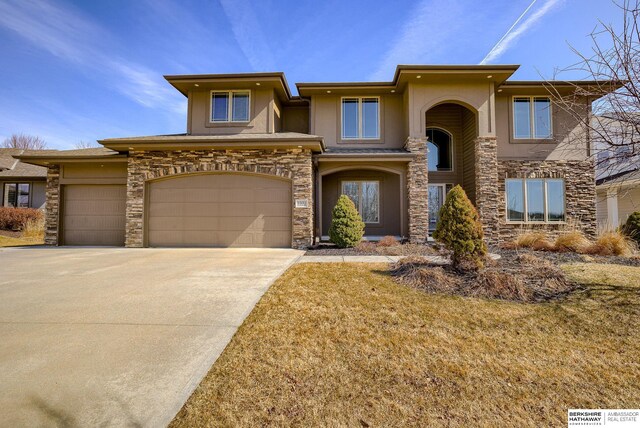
{"x": 364, "y": 259}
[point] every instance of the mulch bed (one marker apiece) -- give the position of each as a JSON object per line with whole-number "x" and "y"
{"x": 571, "y": 257}
{"x": 371, "y": 249}
{"x": 521, "y": 277}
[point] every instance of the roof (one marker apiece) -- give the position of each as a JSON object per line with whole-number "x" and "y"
{"x": 364, "y": 154}
{"x": 44, "y": 157}
{"x": 230, "y": 141}
{"x": 626, "y": 177}
{"x": 276, "y": 80}
{"x": 407, "y": 72}
{"x": 11, "y": 167}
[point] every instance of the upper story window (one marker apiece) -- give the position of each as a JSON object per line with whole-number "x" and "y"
{"x": 361, "y": 118}
{"x": 532, "y": 118}
{"x": 439, "y": 150}
{"x": 230, "y": 106}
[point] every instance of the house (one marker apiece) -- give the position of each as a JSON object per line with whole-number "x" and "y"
{"x": 259, "y": 167}
{"x": 22, "y": 184}
{"x": 617, "y": 172}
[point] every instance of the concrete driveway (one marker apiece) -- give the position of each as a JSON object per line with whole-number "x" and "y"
{"x": 119, "y": 337}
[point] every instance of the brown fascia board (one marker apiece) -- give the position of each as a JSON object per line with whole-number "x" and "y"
{"x": 510, "y": 69}
{"x": 613, "y": 85}
{"x": 123, "y": 144}
{"x": 229, "y": 77}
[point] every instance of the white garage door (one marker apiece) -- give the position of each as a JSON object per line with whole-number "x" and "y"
{"x": 94, "y": 214}
{"x": 219, "y": 210}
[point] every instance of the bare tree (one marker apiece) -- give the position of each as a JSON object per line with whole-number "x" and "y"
{"x": 613, "y": 71}
{"x": 85, "y": 145}
{"x": 26, "y": 142}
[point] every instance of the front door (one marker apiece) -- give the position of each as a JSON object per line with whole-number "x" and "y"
{"x": 437, "y": 193}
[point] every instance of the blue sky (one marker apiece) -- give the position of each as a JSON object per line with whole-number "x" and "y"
{"x": 84, "y": 70}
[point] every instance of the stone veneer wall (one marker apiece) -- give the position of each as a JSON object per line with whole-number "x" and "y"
{"x": 486, "y": 191}
{"x": 418, "y": 190}
{"x": 580, "y": 189}
{"x": 293, "y": 164}
{"x": 52, "y": 205}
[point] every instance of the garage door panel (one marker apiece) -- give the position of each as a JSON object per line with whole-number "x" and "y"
{"x": 219, "y": 210}
{"x": 94, "y": 215}
{"x": 273, "y": 195}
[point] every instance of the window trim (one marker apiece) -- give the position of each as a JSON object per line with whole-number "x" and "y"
{"x": 360, "y": 137}
{"x": 362, "y": 180}
{"x": 545, "y": 200}
{"x": 451, "y": 150}
{"x": 532, "y": 124}
{"x": 229, "y": 93}
{"x": 17, "y": 183}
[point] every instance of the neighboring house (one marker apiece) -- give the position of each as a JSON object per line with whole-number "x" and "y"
{"x": 22, "y": 184}
{"x": 618, "y": 196}
{"x": 258, "y": 167}
{"x": 617, "y": 169}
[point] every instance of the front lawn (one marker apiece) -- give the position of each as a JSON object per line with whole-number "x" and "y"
{"x": 8, "y": 239}
{"x": 344, "y": 345}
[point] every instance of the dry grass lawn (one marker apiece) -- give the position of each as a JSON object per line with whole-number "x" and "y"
{"x": 344, "y": 345}
{"x": 10, "y": 241}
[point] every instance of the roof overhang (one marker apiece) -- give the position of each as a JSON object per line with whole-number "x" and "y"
{"x": 419, "y": 74}
{"x": 214, "y": 142}
{"x": 593, "y": 89}
{"x": 369, "y": 157}
{"x": 45, "y": 160}
{"x": 276, "y": 81}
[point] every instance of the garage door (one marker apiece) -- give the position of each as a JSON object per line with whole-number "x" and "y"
{"x": 94, "y": 214}
{"x": 219, "y": 210}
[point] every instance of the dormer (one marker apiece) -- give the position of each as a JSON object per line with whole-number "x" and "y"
{"x": 246, "y": 103}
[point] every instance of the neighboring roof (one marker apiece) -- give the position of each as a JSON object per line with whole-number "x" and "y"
{"x": 11, "y": 167}
{"x": 45, "y": 157}
{"x": 627, "y": 177}
{"x": 183, "y": 141}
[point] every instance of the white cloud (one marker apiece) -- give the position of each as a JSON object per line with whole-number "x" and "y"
{"x": 248, "y": 33}
{"x": 517, "y": 29}
{"x": 434, "y": 24}
{"x": 72, "y": 37}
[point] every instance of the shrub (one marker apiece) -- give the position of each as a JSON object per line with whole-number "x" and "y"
{"x": 347, "y": 227}
{"x": 611, "y": 243}
{"x": 460, "y": 231}
{"x": 574, "y": 241}
{"x": 367, "y": 247}
{"x": 17, "y": 218}
{"x": 631, "y": 228}
{"x": 388, "y": 241}
{"x": 33, "y": 229}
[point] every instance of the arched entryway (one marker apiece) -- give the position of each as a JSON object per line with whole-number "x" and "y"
{"x": 451, "y": 130}
{"x": 219, "y": 210}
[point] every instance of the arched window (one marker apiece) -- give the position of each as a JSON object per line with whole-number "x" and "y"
{"x": 439, "y": 150}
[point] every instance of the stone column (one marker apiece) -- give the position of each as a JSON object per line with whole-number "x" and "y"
{"x": 52, "y": 206}
{"x": 302, "y": 174}
{"x": 418, "y": 189}
{"x": 135, "y": 203}
{"x": 486, "y": 177}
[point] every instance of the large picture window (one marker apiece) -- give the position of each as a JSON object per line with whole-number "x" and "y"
{"x": 366, "y": 197}
{"x": 230, "y": 106}
{"x": 360, "y": 118}
{"x": 535, "y": 200}
{"x": 16, "y": 195}
{"x": 532, "y": 118}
